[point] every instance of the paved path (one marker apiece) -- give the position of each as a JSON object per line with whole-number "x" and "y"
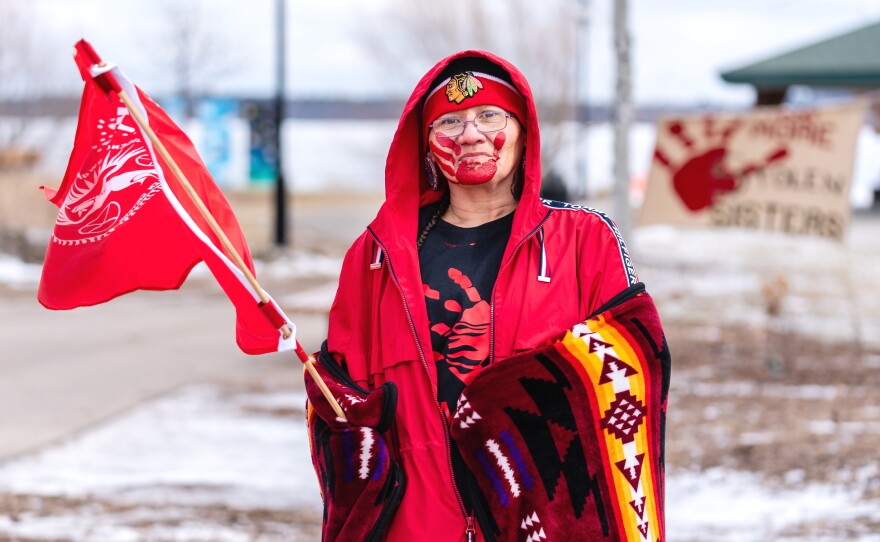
{"x": 65, "y": 371}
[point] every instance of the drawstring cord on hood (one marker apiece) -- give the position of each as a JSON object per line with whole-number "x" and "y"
{"x": 544, "y": 273}
{"x": 376, "y": 262}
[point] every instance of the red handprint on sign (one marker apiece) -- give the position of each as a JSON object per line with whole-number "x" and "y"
{"x": 468, "y": 338}
{"x": 703, "y": 174}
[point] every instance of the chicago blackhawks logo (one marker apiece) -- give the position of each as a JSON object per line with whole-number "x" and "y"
{"x": 116, "y": 178}
{"x": 461, "y": 86}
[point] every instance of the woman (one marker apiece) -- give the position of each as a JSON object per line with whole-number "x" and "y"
{"x": 464, "y": 266}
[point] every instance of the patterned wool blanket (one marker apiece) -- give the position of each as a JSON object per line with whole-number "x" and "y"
{"x": 566, "y": 441}
{"x": 361, "y": 485}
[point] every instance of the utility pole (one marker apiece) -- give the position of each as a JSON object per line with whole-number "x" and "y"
{"x": 581, "y": 90}
{"x": 280, "y": 189}
{"x": 623, "y": 118}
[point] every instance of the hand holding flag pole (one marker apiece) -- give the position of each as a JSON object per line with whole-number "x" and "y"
{"x": 54, "y": 285}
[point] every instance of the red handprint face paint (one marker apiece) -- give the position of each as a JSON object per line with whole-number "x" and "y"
{"x": 500, "y": 139}
{"x": 476, "y": 159}
{"x": 476, "y": 172}
{"x": 444, "y": 150}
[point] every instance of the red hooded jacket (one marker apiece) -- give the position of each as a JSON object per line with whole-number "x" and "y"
{"x": 561, "y": 263}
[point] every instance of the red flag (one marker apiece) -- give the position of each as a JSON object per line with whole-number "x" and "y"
{"x": 125, "y": 223}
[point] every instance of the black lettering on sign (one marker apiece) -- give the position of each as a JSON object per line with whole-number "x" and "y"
{"x": 802, "y": 126}
{"x": 807, "y": 180}
{"x": 778, "y": 217}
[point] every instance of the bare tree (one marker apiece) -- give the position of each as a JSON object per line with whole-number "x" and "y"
{"x": 188, "y": 45}
{"x": 27, "y": 78}
{"x": 538, "y": 38}
{"x": 26, "y": 75}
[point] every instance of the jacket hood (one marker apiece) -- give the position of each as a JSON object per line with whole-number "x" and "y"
{"x": 406, "y": 183}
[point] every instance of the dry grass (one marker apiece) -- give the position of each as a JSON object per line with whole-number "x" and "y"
{"x": 790, "y": 408}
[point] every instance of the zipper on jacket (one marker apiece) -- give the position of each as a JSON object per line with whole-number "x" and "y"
{"x": 471, "y": 531}
{"x": 447, "y": 436}
{"x": 446, "y": 432}
{"x": 503, "y": 267}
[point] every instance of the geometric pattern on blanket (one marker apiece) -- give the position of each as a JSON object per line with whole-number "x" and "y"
{"x": 568, "y": 444}
{"x": 360, "y": 483}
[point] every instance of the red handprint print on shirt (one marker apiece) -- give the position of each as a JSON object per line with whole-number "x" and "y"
{"x": 703, "y": 174}
{"x": 468, "y": 339}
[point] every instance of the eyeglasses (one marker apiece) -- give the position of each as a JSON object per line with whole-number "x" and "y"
{"x": 487, "y": 121}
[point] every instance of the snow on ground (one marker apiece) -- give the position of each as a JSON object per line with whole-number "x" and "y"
{"x": 167, "y": 464}
{"x": 199, "y": 436}
{"x": 300, "y": 264}
{"x": 827, "y": 289}
{"x": 16, "y": 274}
{"x": 316, "y": 299}
{"x": 720, "y": 505}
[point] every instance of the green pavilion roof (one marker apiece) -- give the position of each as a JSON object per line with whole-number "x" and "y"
{"x": 847, "y": 60}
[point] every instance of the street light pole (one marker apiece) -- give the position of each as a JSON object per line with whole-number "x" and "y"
{"x": 582, "y": 61}
{"x": 280, "y": 189}
{"x": 623, "y": 117}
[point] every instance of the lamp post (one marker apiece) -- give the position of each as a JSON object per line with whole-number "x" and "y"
{"x": 280, "y": 189}
{"x": 623, "y": 117}
{"x": 582, "y": 61}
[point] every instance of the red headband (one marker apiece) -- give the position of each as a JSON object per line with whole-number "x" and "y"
{"x": 470, "y": 89}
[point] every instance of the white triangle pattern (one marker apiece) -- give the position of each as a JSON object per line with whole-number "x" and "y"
{"x": 470, "y": 420}
{"x": 580, "y": 330}
{"x": 465, "y": 413}
{"x": 532, "y": 525}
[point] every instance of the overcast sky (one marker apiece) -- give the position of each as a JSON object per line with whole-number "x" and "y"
{"x": 679, "y": 46}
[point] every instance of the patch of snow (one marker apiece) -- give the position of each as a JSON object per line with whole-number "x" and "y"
{"x": 205, "y": 445}
{"x": 699, "y": 275}
{"x": 195, "y": 446}
{"x": 301, "y": 264}
{"x": 748, "y": 388}
{"x": 316, "y": 299}
{"x": 17, "y": 274}
{"x": 721, "y": 505}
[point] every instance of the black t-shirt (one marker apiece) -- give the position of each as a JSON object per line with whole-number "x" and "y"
{"x": 459, "y": 267}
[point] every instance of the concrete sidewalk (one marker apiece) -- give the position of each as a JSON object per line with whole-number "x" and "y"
{"x": 65, "y": 371}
